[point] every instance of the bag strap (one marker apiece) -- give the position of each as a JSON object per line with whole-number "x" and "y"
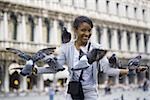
{"x": 80, "y": 78}
{"x": 88, "y": 47}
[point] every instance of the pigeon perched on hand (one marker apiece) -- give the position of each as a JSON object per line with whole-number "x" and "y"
{"x": 95, "y": 55}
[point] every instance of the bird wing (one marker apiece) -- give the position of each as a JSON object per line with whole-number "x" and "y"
{"x": 20, "y": 53}
{"x": 42, "y": 53}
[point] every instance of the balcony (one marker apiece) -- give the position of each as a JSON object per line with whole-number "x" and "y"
{"x": 25, "y": 46}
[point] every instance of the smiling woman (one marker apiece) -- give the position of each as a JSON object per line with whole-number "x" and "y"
{"x": 84, "y": 55}
{"x": 82, "y": 28}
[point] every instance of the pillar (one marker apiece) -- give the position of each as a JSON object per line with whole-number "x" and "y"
{"x": 114, "y": 40}
{"x": 19, "y": 28}
{"x": 141, "y": 44}
{"x": 55, "y": 39}
{"x": 104, "y": 38}
{"x": 133, "y": 42}
{"x": 6, "y": 78}
{"x": 148, "y": 46}
{"x": 124, "y": 41}
{"x": 40, "y": 83}
{"x": 38, "y": 31}
{"x": 23, "y": 84}
{"x": 5, "y": 26}
{"x": 1, "y": 26}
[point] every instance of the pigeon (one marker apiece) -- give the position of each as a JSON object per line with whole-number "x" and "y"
{"x": 37, "y": 56}
{"x": 114, "y": 61}
{"x": 52, "y": 62}
{"x": 30, "y": 60}
{"x": 134, "y": 62}
{"x": 20, "y": 53}
{"x": 66, "y": 36}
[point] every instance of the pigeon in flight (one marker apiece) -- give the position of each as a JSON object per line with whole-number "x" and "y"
{"x": 30, "y": 60}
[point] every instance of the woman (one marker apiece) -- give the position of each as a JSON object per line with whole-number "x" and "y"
{"x": 69, "y": 54}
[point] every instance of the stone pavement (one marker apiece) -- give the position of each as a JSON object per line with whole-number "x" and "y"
{"x": 117, "y": 94}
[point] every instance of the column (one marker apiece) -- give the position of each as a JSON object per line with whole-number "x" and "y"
{"x": 24, "y": 33}
{"x": 114, "y": 41}
{"x": 23, "y": 84}
{"x": 141, "y": 44}
{"x": 6, "y": 78}
{"x": 104, "y": 38}
{"x": 148, "y": 46}
{"x": 19, "y": 28}
{"x": 94, "y": 36}
{"x": 124, "y": 41}
{"x": 38, "y": 31}
{"x": 1, "y": 25}
{"x": 40, "y": 83}
{"x": 133, "y": 42}
{"x": 55, "y": 39}
{"x": 5, "y": 26}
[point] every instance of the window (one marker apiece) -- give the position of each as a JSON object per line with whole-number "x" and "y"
{"x": 126, "y": 7}
{"x": 107, "y": 5}
{"x": 146, "y": 41}
{"x": 72, "y": 2}
{"x": 85, "y": 3}
{"x": 109, "y": 37}
{"x": 119, "y": 38}
{"x": 129, "y": 39}
{"x": 137, "y": 40}
{"x": 135, "y": 12}
{"x": 31, "y": 26}
{"x": 61, "y": 26}
{"x": 143, "y": 14}
{"x": 97, "y": 5}
{"x": 98, "y": 32}
{"x": 59, "y": 1}
{"x": 13, "y": 26}
{"x": 117, "y": 8}
{"x": 46, "y": 30}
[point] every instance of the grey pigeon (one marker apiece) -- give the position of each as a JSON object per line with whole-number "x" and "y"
{"x": 134, "y": 62}
{"x": 27, "y": 69}
{"x": 95, "y": 55}
{"x": 53, "y": 63}
{"x": 114, "y": 61}
{"x": 20, "y": 53}
{"x": 66, "y": 36}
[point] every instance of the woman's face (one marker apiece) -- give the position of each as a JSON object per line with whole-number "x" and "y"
{"x": 83, "y": 32}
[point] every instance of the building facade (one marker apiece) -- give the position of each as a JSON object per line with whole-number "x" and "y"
{"x": 121, "y": 26}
